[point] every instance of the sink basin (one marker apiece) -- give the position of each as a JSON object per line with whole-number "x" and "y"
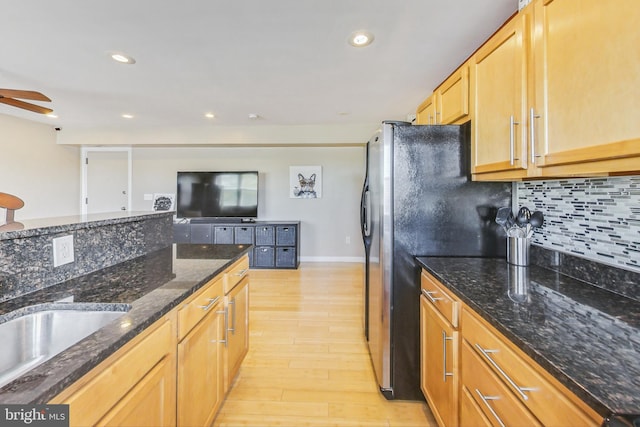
{"x": 34, "y": 338}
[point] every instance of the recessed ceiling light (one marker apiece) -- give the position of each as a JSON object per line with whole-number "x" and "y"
{"x": 253, "y": 116}
{"x": 122, "y": 58}
{"x": 127, "y": 116}
{"x": 52, "y": 116}
{"x": 210, "y": 115}
{"x": 360, "y": 38}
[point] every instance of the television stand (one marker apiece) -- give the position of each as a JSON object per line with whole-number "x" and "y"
{"x": 276, "y": 244}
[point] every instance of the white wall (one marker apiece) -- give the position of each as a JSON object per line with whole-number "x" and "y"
{"x": 325, "y": 223}
{"x": 37, "y": 170}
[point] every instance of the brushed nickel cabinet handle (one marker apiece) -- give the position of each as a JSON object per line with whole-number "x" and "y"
{"x": 232, "y": 303}
{"x": 512, "y": 147}
{"x": 445, "y": 374}
{"x": 485, "y": 400}
{"x": 520, "y": 390}
{"x": 532, "y": 133}
{"x": 428, "y": 295}
{"x": 212, "y": 302}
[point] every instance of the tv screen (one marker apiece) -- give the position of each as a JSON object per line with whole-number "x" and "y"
{"x": 217, "y": 194}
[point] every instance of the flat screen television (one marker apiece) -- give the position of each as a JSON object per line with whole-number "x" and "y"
{"x": 217, "y": 194}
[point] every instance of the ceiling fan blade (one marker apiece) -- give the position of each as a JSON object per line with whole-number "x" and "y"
{"x": 24, "y": 94}
{"x": 26, "y": 105}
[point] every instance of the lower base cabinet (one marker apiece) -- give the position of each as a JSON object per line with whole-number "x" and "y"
{"x": 134, "y": 387}
{"x": 498, "y": 385}
{"x": 177, "y": 371}
{"x": 200, "y": 370}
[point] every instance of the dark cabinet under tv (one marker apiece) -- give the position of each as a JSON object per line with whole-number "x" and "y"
{"x": 276, "y": 244}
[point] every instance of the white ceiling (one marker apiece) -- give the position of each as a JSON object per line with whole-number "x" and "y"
{"x": 286, "y": 60}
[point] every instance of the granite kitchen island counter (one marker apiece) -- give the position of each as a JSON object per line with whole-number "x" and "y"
{"x": 585, "y": 336}
{"x": 149, "y": 286}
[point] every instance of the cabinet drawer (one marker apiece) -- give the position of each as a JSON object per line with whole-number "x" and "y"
{"x": 442, "y": 299}
{"x": 285, "y": 235}
{"x": 201, "y": 233}
{"x": 264, "y": 256}
{"x": 285, "y": 257}
{"x": 223, "y": 235}
{"x": 551, "y": 402}
{"x": 236, "y": 273}
{"x": 493, "y": 397}
{"x": 182, "y": 233}
{"x": 265, "y": 235}
{"x": 196, "y": 307}
{"x": 243, "y": 235}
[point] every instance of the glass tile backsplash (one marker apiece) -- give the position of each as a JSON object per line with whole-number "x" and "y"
{"x": 595, "y": 218}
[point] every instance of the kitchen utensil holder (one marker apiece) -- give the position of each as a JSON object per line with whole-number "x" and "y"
{"x": 518, "y": 250}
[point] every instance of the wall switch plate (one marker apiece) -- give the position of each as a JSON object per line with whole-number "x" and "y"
{"x": 148, "y": 197}
{"x": 63, "y": 250}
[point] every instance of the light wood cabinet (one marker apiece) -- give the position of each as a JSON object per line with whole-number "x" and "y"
{"x": 178, "y": 370}
{"x": 238, "y": 328}
{"x": 449, "y": 103}
{"x": 499, "y": 89}
{"x": 586, "y": 67}
{"x": 520, "y": 381}
{"x": 555, "y": 93}
{"x": 472, "y": 375}
{"x": 134, "y": 386}
{"x": 439, "y": 351}
{"x": 200, "y": 369}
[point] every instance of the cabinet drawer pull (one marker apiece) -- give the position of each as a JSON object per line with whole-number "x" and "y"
{"x": 485, "y": 400}
{"x": 445, "y": 374}
{"x": 512, "y": 383}
{"x": 241, "y": 272}
{"x": 212, "y": 301}
{"x": 428, "y": 295}
{"x": 512, "y": 146}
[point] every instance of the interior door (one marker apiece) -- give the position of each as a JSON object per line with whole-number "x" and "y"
{"x": 107, "y": 180}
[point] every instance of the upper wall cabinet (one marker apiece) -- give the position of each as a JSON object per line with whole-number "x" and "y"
{"x": 449, "y": 103}
{"x": 556, "y": 92}
{"x": 499, "y": 88}
{"x": 586, "y": 61}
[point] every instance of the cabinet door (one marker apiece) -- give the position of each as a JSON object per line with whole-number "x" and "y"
{"x": 150, "y": 403}
{"x": 237, "y": 328}
{"x": 587, "y": 85}
{"x": 201, "y": 233}
{"x": 426, "y": 113}
{"x": 498, "y": 80}
{"x": 182, "y": 233}
{"x": 452, "y": 105}
{"x": 200, "y": 379}
{"x": 439, "y": 364}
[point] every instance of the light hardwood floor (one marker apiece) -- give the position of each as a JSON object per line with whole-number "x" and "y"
{"x": 308, "y": 363}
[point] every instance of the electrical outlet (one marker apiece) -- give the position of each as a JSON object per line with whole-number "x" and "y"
{"x": 62, "y": 250}
{"x": 348, "y": 240}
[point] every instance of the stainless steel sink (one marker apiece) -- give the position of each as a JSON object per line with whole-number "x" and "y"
{"x": 32, "y": 339}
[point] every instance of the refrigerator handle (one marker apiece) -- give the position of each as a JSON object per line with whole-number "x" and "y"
{"x": 365, "y": 213}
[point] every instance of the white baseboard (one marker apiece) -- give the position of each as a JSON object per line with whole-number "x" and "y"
{"x": 331, "y": 259}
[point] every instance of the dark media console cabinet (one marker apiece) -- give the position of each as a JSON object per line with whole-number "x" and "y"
{"x": 276, "y": 243}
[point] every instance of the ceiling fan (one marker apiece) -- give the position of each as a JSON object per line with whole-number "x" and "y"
{"x": 7, "y": 97}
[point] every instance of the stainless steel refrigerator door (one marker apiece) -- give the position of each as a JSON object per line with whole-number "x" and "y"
{"x": 380, "y": 266}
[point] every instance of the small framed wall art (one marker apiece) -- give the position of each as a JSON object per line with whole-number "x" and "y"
{"x": 305, "y": 182}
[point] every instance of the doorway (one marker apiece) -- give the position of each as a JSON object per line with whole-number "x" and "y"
{"x": 106, "y": 179}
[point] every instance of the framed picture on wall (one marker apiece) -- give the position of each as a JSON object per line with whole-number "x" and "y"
{"x": 305, "y": 182}
{"x": 164, "y": 202}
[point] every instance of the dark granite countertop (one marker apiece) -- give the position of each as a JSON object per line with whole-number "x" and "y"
{"x": 42, "y": 226}
{"x": 149, "y": 285}
{"x": 585, "y": 336}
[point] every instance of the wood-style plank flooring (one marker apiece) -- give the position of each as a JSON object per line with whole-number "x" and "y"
{"x": 308, "y": 363}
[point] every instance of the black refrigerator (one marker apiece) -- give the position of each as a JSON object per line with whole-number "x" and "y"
{"x": 418, "y": 200}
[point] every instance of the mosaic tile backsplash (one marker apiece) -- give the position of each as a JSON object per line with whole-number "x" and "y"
{"x": 594, "y": 218}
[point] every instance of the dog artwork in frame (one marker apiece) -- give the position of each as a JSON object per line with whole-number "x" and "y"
{"x": 305, "y": 182}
